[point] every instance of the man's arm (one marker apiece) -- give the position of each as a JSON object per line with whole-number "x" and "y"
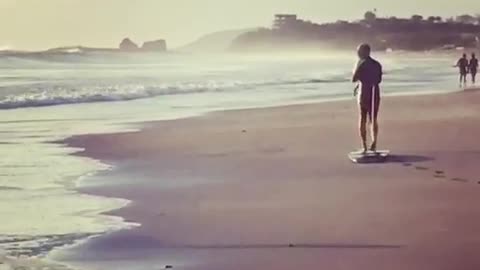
{"x": 355, "y": 90}
{"x": 380, "y": 73}
{"x": 356, "y": 72}
{"x": 356, "y": 77}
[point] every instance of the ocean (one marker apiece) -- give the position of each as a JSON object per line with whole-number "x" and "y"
{"x": 46, "y": 98}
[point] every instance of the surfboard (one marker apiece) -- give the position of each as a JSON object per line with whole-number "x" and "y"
{"x": 378, "y": 156}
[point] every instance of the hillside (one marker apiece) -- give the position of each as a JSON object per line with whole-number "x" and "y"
{"x": 214, "y": 42}
{"x": 413, "y": 34}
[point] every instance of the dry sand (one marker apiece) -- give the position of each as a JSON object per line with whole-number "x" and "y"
{"x": 273, "y": 188}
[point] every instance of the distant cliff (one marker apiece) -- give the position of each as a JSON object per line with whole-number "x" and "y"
{"x": 155, "y": 46}
{"x": 413, "y": 34}
{"x": 127, "y": 45}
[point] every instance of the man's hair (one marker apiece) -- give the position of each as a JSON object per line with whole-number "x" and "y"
{"x": 364, "y": 47}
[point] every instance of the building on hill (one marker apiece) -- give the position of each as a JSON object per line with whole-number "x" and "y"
{"x": 282, "y": 21}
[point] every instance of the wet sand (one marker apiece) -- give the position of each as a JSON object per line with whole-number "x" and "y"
{"x": 273, "y": 189}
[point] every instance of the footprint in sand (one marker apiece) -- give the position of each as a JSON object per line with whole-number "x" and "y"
{"x": 439, "y": 174}
{"x": 272, "y": 150}
{"x": 420, "y": 168}
{"x": 459, "y": 180}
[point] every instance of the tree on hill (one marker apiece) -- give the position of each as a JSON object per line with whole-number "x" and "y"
{"x": 434, "y": 19}
{"x": 468, "y": 19}
{"x": 417, "y": 18}
{"x": 370, "y": 16}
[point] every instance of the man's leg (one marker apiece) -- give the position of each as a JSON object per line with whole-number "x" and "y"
{"x": 363, "y": 127}
{"x": 463, "y": 79}
{"x": 374, "y": 127}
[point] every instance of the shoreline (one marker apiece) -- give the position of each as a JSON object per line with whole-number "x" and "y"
{"x": 41, "y": 191}
{"x": 100, "y": 147}
{"x": 40, "y": 172}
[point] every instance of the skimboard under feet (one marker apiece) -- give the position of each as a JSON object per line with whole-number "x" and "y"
{"x": 378, "y": 156}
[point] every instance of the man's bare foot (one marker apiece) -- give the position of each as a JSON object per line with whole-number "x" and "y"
{"x": 373, "y": 147}
{"x": 364, "y": 149}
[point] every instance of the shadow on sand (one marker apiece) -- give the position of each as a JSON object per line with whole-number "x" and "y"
{"x": 129, "y": 241}
{"x": 283, "y": 246}
{"x": 408, "y": 159}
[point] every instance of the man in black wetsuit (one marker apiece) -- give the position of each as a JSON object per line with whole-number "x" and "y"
{"x": 369, "y": 73}
{"x": 462, "y": 65}
{"x": 473, "y": 66}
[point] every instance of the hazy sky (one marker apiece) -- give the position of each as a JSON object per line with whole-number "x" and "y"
{"x": 37, "y": 24}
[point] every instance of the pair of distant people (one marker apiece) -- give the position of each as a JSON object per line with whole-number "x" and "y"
{"x": 465, "y": 67}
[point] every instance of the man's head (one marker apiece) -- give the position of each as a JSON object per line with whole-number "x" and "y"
{"x": 464, "y": 55}
{"x": 473, "y": 55}
{"x": 363, "y": 51}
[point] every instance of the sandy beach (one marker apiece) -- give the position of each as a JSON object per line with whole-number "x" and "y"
{"x": 273, "y": 189}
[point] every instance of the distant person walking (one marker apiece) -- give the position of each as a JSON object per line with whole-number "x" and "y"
{"x": 473, "y": 66}
{"x": 462, "y": 65}
{"x": 369, "y": 73}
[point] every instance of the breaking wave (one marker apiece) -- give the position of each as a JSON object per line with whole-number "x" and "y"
{"x": 39, "y": 96}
